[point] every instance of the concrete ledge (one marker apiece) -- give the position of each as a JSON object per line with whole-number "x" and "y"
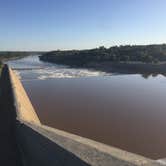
{"x": 41, "y": 141}
{"x": 24, "y": 108}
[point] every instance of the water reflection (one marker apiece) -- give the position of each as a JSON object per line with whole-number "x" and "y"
{"x": 148, "y": 75}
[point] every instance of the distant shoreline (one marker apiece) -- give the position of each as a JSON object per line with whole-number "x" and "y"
{"x": 14, "y": 55}
{"x": 130, "y": 68}
{"x": 122, "y": 67}
{"x": 122, "y": 59}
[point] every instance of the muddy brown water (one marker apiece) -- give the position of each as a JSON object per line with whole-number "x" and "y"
{"x": 125, "y": 111}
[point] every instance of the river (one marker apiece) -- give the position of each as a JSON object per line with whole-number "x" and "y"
{"x": 125, "y": 111}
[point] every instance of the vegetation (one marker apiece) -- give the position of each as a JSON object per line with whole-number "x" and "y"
{"x": 145, "y": 54}
{"x": 121, "y": 59}
{"x": 4, "y": 56}
{"x": 8, "y": 55}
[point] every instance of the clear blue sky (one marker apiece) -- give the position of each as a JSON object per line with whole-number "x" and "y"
{"x": 77, "y": 24}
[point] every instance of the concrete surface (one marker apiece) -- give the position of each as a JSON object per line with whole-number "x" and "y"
{"x": 24, "y": 108}
{"x": 45, "y": 144}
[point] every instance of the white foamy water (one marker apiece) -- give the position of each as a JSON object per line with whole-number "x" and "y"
{"x": 31, "y": 68}
{"x": 66, "y": 73}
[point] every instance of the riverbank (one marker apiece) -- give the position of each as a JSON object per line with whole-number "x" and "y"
{"x": 122, "y": 59}
{"x": 129, "y": 68}
{"x": 14, "y": 55}
{"x": 5, "y": 56}
{"x": 117, "y": 67}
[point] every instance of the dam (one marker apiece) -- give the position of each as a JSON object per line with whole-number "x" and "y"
{"x": 26, "y": 141}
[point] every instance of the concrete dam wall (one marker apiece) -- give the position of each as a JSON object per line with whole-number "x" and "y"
{"x": 45, "y": 146}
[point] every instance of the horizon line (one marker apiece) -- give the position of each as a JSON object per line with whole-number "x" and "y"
{"x": 65, "y": 49}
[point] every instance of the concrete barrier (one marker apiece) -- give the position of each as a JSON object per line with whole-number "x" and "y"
{"x": 24, "y": 108}
{"x": 46, "y": 146}
{"x": 43, "y": 145}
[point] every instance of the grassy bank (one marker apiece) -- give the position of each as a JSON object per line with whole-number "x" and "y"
{"x": 10, "y": 55}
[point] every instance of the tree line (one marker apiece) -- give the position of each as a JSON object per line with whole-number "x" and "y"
{"x": 127, "y": 53}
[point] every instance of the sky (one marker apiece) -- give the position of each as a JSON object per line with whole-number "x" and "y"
{"x": 80, "y": 24}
